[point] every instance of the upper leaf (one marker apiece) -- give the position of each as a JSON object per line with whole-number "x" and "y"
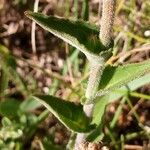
{"x": 115, "y": 77}
{"x": 79, "y": 34}
{"x": 70, "y": 114}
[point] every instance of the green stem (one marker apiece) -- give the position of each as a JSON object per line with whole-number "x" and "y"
{"x": 140, "y": 95}
{"x": 76, "y": 8}
{"x": 32, "y": 129}
{"x": 117, "y": 113}
{"x": 130, "y": 136}
{"x": 71, "y": 142}
{"x": 85, "y": 10}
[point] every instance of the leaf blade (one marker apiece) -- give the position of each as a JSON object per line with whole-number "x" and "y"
{"x": 29, "y": 104}
{"x": 102, "y": 102}
{"x": 77, "y": 33}
{"x": 68, "y": 113}
{"x": 115, "y": 77}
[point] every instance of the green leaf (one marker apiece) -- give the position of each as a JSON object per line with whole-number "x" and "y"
{"x": 29, "y": 104}
{"x": 3, "y": 50}
{"x": 9, "y": 107}
{"x": 18, "y": 80}
{"x": 10, "y": 62}
{"x": 6, "y": 122}
{"x": 48, "y": 146}
{"x": 9, "y": 66}
{"x": 131, "y": 86}
{"x": 99, "y": 110}
{"x": 4, "y": 79}
{"x": 98, "y": 119}
{"x": 79, "y": 34}
{"x": 70, "y": 114}
{"x": 102, "y": 102}
{"x": 116, "y": 77}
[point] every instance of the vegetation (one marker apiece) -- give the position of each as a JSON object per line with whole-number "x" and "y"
{"x": 119, "y": 71}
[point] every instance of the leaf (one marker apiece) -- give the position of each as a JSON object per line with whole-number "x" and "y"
{"x": 98, "y": 119}
{"x": 68, "y": 113}
{"x": 131, "y": 86}
{"x": 79, "y": 34}
{"x": 3, "y": 50}
{"x": 115, "y": 77}
{"x": 9, "y": 108}
{"x": 102, "y": 102}
{"x": 14, "y": 76}
{"x": 99, "y": 110}
{"x": 4, "y": 79}
{"x": 48, "y": 146}
{"x": 9, "y": 66}
{"x": 21, "y": 84}
{"x": 29, "y": 104}
{"x": 11, "y": 62}
{"x": 6, "y": 122}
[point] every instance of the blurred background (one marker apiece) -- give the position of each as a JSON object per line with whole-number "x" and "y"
{"x": 54, "y": 67}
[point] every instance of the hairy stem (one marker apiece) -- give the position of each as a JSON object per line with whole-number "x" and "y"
{"x": 107, "y": 20}
{"x": 96, "y": 69}
{"x": 97, "y": 63}
{"x": 85, "y": 10}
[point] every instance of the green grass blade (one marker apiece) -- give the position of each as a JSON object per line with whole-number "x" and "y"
{"x": 4, "y": 79}
{"x": 85, "y": 10}
{"x": 117, "y": 113}
{"x": 8, "y": 63}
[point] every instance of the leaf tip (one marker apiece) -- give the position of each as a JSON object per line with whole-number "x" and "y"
{"x": 28, "y": 13}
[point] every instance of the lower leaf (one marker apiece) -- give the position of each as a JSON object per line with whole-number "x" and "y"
{"x": 68, "y": 113}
